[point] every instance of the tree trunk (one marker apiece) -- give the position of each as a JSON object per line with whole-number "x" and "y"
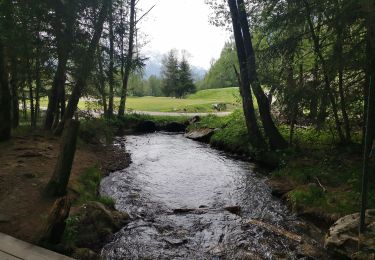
{"x": 129, "y": 60}
{"x": 59, "y": 181}
{"x": 293, "y": 100}
{"x": 255, "y": 135}
{"x": 38, "y": 84}
{"x": 370, "y": 122}
{"x": 5, "y": 98}
{"x": 14, "y": 93}
{"x": 31, "y": 94}
{"x": 340, "y": 62}
{"x": 58, "y": 83}
{"x": 327, "y": 83}
{"x": 101, "y": 84}
{"x": 63, "y": 28}
{"x": 84, "y": 69}
{"x": 9, "y": 23}
{"x": 24, "y": 105}
{"x": 366, "y": 86}
{"x": 111, "y": 63}
{"x": 314, "y": 95}
{"x": 55, "y": 226}
{"x": 275, "y": 138}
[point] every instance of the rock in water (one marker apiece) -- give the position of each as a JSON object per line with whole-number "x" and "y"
{"x": 175, "y": 127}
{"x": 95, "y": 223}
{"x": 202, "y": 135}
{"x": 342, "y": 237}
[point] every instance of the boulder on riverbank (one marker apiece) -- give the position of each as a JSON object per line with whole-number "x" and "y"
{"x": 95, "y": 222}
{"x": 342, "y": 237}
{"x": 201, "y": 135}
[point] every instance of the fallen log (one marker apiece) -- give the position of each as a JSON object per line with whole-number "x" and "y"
{"x": 236, "y": 210}
{"x": 277, "y": 230}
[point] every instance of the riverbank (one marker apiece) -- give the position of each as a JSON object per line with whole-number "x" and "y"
{"x": 26, "y": 164}
{"x": 317, "y": 176}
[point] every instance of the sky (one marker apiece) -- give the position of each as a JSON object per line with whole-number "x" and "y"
{"x": 182, "y": 25}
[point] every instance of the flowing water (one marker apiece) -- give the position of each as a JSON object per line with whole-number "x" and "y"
{"x": 177, "y": 191}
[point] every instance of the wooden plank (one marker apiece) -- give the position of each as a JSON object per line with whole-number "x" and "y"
{"x": 6, "y": 256}
{"x": 23, "y": 250}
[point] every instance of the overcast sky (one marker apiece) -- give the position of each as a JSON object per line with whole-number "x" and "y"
{"x": 182, "y": 24}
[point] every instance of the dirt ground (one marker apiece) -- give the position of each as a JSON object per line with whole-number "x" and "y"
{"x": 26, "y": 164}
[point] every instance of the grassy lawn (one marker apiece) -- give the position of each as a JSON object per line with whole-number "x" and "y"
{"x": 202, "y": 101}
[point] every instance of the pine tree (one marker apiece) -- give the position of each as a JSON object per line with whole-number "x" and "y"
{"x": 170, "y": 74}
{"x": 185, "y": 81}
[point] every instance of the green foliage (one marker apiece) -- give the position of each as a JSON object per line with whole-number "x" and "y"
{"x": 170, "y": 72}
{"x": 231, "y": 134}
{"x": 221, "y": 73}
{"x": 137, "y": 87}
{"x": 154, "y": 85}
{"x": 70, "y": 233}
{"x": 225, "y": 95}
{"x": 185, "y": 79}
{"x": 96, "y": 129}
{"x": 310, "y": 195}
{"x": 177, "y": 76}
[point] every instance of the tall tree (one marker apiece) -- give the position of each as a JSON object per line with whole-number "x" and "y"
{"x": 170, "y": 72}
{"x": 185, "y": 80}
{"x": 368, "y": 8}
{"x": 85, "y": 68}
{"x": 111, "y": 80}
{"x": 275, "y": 138}
{"x": 129, "y": 60}
{"x": 255, "y": 135}
{"x": 63, "y": 27}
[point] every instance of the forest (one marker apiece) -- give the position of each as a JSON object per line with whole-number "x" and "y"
{"x": 292, "y": 93}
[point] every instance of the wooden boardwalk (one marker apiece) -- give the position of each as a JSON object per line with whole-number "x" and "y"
{"x": 14, "y": 249}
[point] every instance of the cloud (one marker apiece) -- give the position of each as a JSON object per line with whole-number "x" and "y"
{"x": 182, "y": 24}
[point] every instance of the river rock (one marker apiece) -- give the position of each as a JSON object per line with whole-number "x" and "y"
{"x": 202, "y": 135}
{"x": 95, "y": 223}
{"x": 236, "y": 210}
{"x": 174, "y": 127}
{"x": 85, "y": 254}
{"x": 342, "y": 237}
{"x": 146, "y": 127}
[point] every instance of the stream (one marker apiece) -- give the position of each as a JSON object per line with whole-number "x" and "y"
{"x": 178, "y": 192}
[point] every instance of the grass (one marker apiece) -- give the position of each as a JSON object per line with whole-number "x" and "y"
{"x": 202, "y": 101}
{"x": 88, "y": 188}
